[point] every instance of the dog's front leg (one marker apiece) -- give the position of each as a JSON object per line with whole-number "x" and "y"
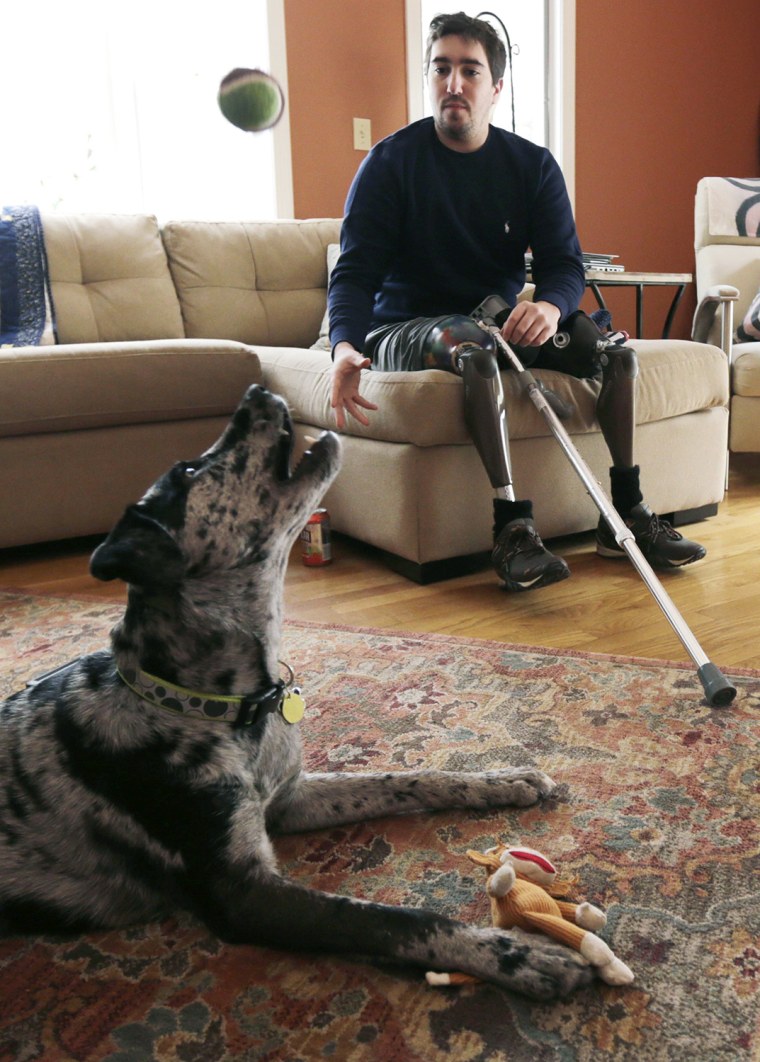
{"x": 261, "y": 907}
{"x": 314, "y": 801}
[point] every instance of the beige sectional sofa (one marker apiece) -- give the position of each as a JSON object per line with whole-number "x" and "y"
{"x": 161, "y": 330}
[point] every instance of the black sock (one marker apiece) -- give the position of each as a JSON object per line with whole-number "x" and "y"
{"x": 626, "y": 493}
{"x": 504, "y": 511}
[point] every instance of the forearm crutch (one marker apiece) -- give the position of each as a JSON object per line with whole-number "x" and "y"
{"x": 718, "y": 689}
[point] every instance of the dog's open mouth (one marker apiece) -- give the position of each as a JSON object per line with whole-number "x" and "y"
{"x": 264, "y": 425}
{"x": 319, "y": 458}
{"x": 285, "y": 449}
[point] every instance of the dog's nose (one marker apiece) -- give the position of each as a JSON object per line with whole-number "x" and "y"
{"x": 254, "y": 391}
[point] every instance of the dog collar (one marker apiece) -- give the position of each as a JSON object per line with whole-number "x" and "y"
{"x": 281, "y": 696}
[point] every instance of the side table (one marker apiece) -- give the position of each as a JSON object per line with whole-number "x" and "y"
{"x": 596, "y": 279}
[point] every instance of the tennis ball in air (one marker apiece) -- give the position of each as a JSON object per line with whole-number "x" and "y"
{"x": 251, "y": 100}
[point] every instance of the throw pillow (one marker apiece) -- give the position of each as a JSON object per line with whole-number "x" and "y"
{"x": 749, "y": 330}
{"x": 323, "y": 342}
{"x": 26, "y": 311}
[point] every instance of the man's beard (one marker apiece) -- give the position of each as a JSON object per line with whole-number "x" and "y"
{"x": 457, "y": 130}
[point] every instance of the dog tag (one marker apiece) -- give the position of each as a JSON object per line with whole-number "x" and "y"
{"x": 293, "y": 706}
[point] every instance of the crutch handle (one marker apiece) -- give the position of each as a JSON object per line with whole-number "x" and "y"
{"x": 493, "y": 310}
{"x": 718, "y": 690}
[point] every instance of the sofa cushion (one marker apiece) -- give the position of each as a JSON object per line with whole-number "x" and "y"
{"x": 259, "y": 282}
{"x": 323, "y": 340}
{"x": 746, "y": 370}
{"x": 110, "y": 279}
{"x": 426, "y": 409}
{"x": 678, "y": 376}
{"x": 65, "y": 388}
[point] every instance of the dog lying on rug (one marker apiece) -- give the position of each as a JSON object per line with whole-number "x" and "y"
{"x": 149, "y": 777}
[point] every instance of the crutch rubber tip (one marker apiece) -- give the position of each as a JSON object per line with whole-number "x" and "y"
{"x": 718, "y": 690}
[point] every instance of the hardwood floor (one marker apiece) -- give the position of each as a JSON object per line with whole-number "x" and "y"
{"x": 603, "y": 608}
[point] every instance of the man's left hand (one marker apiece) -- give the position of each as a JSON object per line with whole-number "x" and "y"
{"x": 531, "y": 323}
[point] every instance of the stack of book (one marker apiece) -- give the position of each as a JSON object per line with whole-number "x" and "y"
{"x": 604, "y": 262}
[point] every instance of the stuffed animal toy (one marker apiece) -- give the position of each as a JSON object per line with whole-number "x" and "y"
{"x": 524, "y": 889}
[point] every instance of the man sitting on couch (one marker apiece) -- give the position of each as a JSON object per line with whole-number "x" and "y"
{"x": 439, "y": 216}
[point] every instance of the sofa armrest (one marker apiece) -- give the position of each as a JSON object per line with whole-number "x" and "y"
{"x": 721, "y": 296}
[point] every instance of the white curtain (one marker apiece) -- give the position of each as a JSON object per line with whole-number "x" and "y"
{"x": 112, "y": 107}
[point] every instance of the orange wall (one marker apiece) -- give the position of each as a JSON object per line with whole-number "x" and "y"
{"x": 666, "y": 92}
{"x": 346, "y": 60}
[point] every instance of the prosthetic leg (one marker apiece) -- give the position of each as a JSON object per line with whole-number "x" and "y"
{"x": 457, "y": 344}
{"x": 519, "y": 556}
{"x": 718, "y": 689}
{"x": 486, "y": 415}
{"x": 615, "y": 407}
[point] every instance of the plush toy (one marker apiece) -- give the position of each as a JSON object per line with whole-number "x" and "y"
{"x": 524, "y": 890}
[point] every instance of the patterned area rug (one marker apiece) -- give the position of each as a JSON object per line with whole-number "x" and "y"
{"x": 657, "y": 817}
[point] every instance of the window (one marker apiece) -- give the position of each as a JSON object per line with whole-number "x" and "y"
{"x": 113, "y": 108}
{"x": 542, "y": 36}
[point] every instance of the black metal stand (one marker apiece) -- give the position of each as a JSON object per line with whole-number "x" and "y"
{"x": 597, "y": 285}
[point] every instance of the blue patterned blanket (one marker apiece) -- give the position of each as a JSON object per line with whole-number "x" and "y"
{"x": 26, "y": 307}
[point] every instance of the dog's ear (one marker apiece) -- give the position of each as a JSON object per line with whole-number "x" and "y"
{"x": 139, "y": 551}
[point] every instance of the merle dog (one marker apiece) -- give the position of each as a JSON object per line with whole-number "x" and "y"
{"x": 149, "y": 777}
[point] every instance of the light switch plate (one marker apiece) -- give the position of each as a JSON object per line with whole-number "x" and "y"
{"x": 362, "y": 134}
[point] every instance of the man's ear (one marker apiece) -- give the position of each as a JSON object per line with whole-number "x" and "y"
{"x": 139, "y": 551}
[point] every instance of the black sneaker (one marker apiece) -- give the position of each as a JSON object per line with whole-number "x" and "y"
{"x": 661, "y": 544}
{"x": 521, "y": 559}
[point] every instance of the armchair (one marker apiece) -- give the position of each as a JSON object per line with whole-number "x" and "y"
{"x": 727, "y": 250}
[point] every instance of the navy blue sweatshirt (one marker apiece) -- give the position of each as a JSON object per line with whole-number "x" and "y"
{"x": 429, "y": 231}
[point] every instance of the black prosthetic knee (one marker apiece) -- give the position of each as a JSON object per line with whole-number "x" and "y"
{"x": 581, "y": 350}
{"x": 445, "y": 338}
{"x": 578, "y": 348}
{"x": 616, "y": 406}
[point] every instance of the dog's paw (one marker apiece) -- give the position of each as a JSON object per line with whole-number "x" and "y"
{"x": 551, "y": 970}
{"x": 521, "y": 786}
{"x": 532, "y": 964}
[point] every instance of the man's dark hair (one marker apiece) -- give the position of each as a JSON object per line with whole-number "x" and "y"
{"x": 471, "y": 29}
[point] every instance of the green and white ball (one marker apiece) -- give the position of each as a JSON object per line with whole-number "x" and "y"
{"x": 251, "y": 100}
